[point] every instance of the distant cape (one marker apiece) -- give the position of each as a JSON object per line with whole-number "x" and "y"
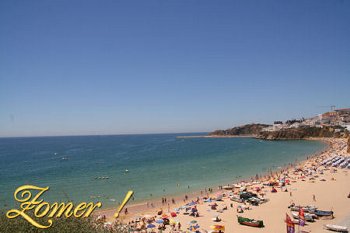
{"x": 302, "y": 132}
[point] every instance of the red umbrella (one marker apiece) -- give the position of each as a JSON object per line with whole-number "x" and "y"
{"x": 173, "y": 214}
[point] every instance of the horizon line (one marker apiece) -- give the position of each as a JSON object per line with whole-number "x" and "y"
{"x": 89, "y": 135}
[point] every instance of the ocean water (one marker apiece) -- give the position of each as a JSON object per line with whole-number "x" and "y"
{"x": 158, "y": 165}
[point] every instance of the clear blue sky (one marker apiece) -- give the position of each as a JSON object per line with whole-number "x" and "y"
{"x": 110, "y": 67}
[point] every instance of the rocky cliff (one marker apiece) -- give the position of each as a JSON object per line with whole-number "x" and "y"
{"x": 283, "y": 134}
{"x": 249, "y": 129}
{"x": 300, "y": 133}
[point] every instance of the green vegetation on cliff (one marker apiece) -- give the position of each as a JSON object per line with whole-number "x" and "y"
{"x": 302, "y": 132}
{"x": 249, "y": 129}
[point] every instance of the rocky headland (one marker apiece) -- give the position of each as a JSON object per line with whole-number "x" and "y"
{"x": 302, "y": 132}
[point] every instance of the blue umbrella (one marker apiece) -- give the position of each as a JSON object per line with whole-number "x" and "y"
{"x": 151, "y": 226}
{"x": 159, "y": 221}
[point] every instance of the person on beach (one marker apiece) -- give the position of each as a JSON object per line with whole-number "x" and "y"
{"x": 314, "y": 197}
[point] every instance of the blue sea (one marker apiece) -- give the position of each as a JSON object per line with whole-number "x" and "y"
{"x": 158, "y": 165}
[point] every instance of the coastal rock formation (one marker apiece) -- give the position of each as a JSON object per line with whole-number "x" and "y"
{"x": 348, "y": 144}
{"x": 249, "y": 129}
{"x": 300, "y": 133}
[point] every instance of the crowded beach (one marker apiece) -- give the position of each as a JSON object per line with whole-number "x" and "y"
{"x": 309, "y": 196}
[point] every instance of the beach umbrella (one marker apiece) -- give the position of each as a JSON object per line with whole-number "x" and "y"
{"x": 193, "y": 228}
{"x": 173, "y": 214}
{"x": 173, "y": 221}
{"x": 151, "y": 226}
{"x": 159, "y": 221}
{"x": 193, "y": 222}
{"x": 217, "y": 227}
{"x": 165, "y": 216}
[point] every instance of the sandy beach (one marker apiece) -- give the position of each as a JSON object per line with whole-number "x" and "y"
{"x": 310, "y": 183}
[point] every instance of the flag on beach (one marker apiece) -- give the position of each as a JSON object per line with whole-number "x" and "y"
{"x": 290, "y": 225}
{"x": 301, "y": 217}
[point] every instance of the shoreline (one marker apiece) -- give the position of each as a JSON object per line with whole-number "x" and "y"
{"x": 153, "y": 205}
{"x": 327, "y": 190}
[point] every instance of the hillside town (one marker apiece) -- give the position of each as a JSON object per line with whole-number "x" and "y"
{"x": 338, "y": 118}
{"x": 335, "y": 123}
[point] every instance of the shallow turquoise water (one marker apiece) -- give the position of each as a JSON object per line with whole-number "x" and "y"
{"x": 156, "y": 164}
